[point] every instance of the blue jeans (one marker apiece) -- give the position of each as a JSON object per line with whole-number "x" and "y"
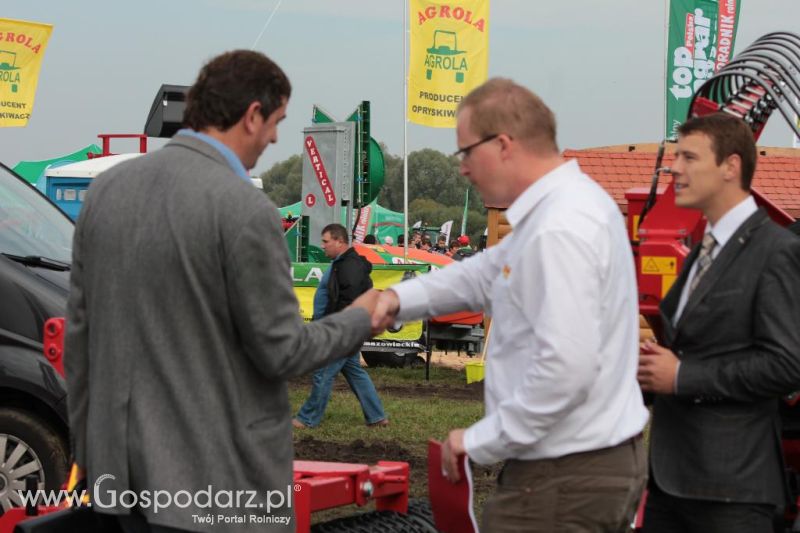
{"x": 313, "y": 410}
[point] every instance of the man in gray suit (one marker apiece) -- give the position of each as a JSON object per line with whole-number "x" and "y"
{"x": 183, "y": 326}
{"x": 731, "y": 348}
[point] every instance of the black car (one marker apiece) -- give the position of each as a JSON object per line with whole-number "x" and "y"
{"x": 35, "y": 255}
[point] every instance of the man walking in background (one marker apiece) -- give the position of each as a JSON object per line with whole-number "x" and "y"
{"x": 345, "y": 280}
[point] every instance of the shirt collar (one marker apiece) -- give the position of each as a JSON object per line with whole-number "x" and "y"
{"x": 534, "y": 194}
{"x": 726, "y": 226}
{"x": 232, "y": 159}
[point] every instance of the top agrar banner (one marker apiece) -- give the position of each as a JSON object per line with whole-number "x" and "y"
{"x": 22, "y": 47}
{"x": 449, "y": 56}
{"x": 701, "y": 39}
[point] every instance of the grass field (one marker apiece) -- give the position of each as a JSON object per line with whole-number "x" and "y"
{"x": 417, "y": 410}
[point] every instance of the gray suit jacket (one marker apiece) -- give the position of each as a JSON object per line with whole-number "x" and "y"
{"x": 738, "y": 340}
{"x": 182, "y": 330}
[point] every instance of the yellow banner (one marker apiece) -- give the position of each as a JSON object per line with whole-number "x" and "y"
{"x": 22, "y": 46}
{"x": 449, "y": 56}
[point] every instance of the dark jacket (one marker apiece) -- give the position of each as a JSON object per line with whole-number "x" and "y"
{"x": 718, "y": 438}
{"x": 349, "y": 279}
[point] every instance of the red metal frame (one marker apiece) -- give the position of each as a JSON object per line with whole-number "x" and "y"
{"x": 54, "y": 343}
{"x": 14, "y": 516}
{"x": 106, "y": 142}
{"x": 660, "y": 244}
{"x": 321, "y": 485}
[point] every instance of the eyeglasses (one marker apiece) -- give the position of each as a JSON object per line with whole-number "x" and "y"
{"x": 463, "y": 153}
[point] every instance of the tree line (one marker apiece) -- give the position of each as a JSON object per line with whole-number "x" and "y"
{"x": 436, "y": 190}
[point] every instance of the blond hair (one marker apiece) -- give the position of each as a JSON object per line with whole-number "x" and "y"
{"x": 502, "y": 106}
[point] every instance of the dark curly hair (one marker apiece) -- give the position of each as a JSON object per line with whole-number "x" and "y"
{"x": 228, "y": 84}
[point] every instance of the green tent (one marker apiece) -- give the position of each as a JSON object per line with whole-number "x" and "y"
{"x": 382, "y": 222}
{"x": 33, "y": 170}
{"x": 295, "y": 209}
{"x": 385, "y": 223}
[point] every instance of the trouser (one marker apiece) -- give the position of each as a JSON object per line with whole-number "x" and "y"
{"x": 665, "y": 513}
{"x": 360, "y": 383}
{"x": 595, "y": 491}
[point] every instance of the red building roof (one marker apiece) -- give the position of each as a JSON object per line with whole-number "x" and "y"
{"x": 619, "y": 168}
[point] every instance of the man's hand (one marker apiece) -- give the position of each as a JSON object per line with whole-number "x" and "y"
{"x": 452, "y": 450}
{"x": 385, "y": 312}
{"x": 368, "y": 302}
{"x": 657, "y": 368}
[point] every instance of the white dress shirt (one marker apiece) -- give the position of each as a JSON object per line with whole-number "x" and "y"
{"x": 561, "y": 288}
{"x": 722, "y": 231}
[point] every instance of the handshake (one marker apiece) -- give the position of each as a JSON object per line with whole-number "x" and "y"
{"x": 382, "y": 306}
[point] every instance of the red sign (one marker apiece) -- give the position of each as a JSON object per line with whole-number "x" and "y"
{"x": 689, "y": 35}
{"x": 726, "y": 31}
{"x": 363, "y": 224}
{"x": 320, "y": 172}
{"x": 311, "y": 200}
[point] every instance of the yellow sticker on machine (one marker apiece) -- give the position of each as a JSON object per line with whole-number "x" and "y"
{"x": 666, "y": 284}
{"x": 652, "y": 264}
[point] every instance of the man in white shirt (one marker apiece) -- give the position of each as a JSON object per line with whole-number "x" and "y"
{"x": 731, "y": 348}
{"x": 563, "y": 408}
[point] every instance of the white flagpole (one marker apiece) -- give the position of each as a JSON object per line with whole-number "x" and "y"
{"x": 405, "y": 131}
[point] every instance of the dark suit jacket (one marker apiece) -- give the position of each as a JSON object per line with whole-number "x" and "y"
{"x": 738, "y": 340}
{"x": 182, "y": 331}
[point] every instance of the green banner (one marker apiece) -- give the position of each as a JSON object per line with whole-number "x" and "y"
{"x": 701, "y": 39}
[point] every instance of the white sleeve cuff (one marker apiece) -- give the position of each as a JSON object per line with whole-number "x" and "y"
{"x": 413, "y": 298}
{"x": 481, "y": 442}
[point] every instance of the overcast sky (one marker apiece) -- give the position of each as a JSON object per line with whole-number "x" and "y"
{"x": 598, "y": 63}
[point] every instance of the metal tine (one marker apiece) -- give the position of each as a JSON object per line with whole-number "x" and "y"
{"x": 789, "y": 71}
{"x": 788, "y": 116}
{"x": 780, "y": 98}
{"x": 765, "y": 76}
{"x": 767, "y": 67}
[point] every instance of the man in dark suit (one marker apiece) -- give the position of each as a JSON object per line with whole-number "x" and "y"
{"x": 731, "y": 348}
{"x": 182, "y": 324}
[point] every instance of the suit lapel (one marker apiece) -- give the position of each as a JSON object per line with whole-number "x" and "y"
{"x": 669, "y": 305}
{"x": 727, "y": 255}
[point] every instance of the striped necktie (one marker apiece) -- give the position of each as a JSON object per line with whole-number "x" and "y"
{"x": 704, "y": 260}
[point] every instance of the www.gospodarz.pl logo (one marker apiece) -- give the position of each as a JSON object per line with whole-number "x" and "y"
{"x": 157, "y": 500}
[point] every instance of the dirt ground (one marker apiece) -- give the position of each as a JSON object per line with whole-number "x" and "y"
{"x": 359, "y": 451}
{"x": 452, "y": 359}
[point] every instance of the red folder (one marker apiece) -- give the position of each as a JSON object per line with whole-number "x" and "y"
{"x": 451, "y": 502}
